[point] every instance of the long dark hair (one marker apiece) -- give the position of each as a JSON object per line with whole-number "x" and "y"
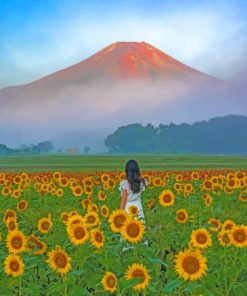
{"x": 132, "y": 172}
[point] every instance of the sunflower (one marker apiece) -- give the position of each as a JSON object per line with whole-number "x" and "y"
{"x": 201, "y": 238}
{"x": 77, "y": 190}
{"x": 17, "y": 180}
{"x": 109, "y": 282}
{"x": 97, "y": 238}
{"x": 85, "y": 203}
{"x": 208, "y": 201}
{"x": 9, "y": 214}
{"x": 104, "y": 211}
{"x": 216, "y": 224}
{"x": 16, "y": 241}
{"x": 195, "y": 175}
{"x": 138, "y": 270}
{"x": 117, "y": 219}
{"x": 11, "y": 224}
{"x": 36, "y": 246}
{"x": 78, "y": 233}
{"x": 243, "y": 196}
{"x": 132, "y": 230}
{"x": 16, "y": 193}
{"x": 133, "y": 210}
{"x": 92, "y": 219}
{"x": 64, "y": 217}
{"x": 22, "y": 205}
{"x": 101, "y": 195}
{"x": 6, "y": 191}
{"x": 104, "y": 177}
{"x": 57, "y": 175}
{"x": 228, "y": 224}
{"x": 182, "y": 216}
{"x": 13, "y": 265}
{"x": 59, "y": 260}
{"x": 238, "y": 236}
{"x": 223, "y": 238}
{"x": 59, "y": 192}
{"x": 74, "y": 219}
{"x": 166, "y": 198}
{"x": 177, "y": 186}
{"x": 207, "y": 185}
{"x": 45, "y": 224}
{"x": 190, "y": 265}
{"x": 151, "y": 203}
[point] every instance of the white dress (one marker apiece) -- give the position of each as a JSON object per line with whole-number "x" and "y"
{"x": 133, "y": 198}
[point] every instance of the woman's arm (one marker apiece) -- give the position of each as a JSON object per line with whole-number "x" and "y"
{"x": 124, "y": 199}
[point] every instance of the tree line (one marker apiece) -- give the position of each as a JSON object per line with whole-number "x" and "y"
{"x": 40, "y": 148}
{"x": 219, "y": 135}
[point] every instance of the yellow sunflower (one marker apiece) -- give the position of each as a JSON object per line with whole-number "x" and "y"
{"x": 117, "y": 219}
{"x": 59, "y": 260}
{"x": 78, "y": 233}
{"x": 77, "y": 190}
{"x": 109, "y": 282}
{"x": 13, "y": 265}
{"x": 133, "y": 210}
{"x": 45, "y": 224}
{"x": 16, "y": 241}
{"x": 151, "y": 203}
{"x": 22, "y": 205}
{"x": 228, "y": 224}
{"x": 97, "y": 238}
{"x": 182, "y": 216}
{"x": 238, "y": 236}
{"x": 201, "y": 238}
{"x": 223, "y": 238}
{"x": 132, "y": 230}
{"x": 92, "y": 219}
{"x": 190, "y": 265}
{"x": 166, "y": 198}
{"x": 64, "y": 217}
{"x": 9, "y": 214}
{"x": 35, "y": 245}
{"x": 74, "y": 219}
{"x": 104, "y": 210}
{"x": 11, "y": 224}
{"x": 101, "y": 195}
{"x": 138, "y": 270}
{"x": 216, "y": 224}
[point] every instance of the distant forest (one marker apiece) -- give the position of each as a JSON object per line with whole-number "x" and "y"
{"x": 219, "y": 135}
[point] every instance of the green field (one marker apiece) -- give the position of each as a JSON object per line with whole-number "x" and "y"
{"x": 117, "y": 162}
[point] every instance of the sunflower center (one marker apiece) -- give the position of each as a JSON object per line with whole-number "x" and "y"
{"x": 181, "y": 216}
{"x": 98, "y": 238}
{"x": 118, "y": 221}
{"x": 14, "y": 265}
{"x": 225, "y": 239}
{"x": 11, "y": 225}
{"x": 91, "y": 219}
{"x": 240, "y": 236}
{"x": 191, "y": 265}
{"x": 60, "y": 260}
{"x": 228, "y": 226}
{"x": 17, "y": 242}
{"x": 138, "y": 273}
{"x": 201, "y": 238}
{"x": 45, "y": 225}
{"x": 167, "y": 198}
{"x": 79, "y": 233}
{"x": 133, "y": 229}
{"x": 110, "y": 281}
{"x": 22, "y": 205}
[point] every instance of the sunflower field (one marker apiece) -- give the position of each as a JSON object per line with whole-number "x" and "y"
{"x": 65, "y": 234}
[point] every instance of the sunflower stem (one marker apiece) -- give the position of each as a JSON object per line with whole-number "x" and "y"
{"x": 20, "y": 287}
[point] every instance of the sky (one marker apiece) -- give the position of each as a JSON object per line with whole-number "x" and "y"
{"x": 43, "y": 36}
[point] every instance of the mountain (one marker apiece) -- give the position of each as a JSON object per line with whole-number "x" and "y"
{"x": 117, "y": 62}
{"x": 124, "y": 82}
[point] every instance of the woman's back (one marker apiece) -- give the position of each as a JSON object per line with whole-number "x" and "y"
{"x": 131, "y": 196}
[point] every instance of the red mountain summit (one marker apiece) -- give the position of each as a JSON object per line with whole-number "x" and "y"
{"x": 124, "y": 60}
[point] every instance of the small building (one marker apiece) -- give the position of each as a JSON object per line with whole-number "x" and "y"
{"x": 72, "y": 150}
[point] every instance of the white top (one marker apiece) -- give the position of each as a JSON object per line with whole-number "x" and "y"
{"x": 131, "y": 196}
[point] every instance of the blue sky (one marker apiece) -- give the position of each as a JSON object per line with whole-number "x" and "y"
{"x": 42, "y": 36}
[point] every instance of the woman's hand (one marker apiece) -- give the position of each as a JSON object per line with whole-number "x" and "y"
{"x": 124, "y": 199}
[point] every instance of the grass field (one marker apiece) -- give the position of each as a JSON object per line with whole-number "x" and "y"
{"x": 117, "y": 162}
